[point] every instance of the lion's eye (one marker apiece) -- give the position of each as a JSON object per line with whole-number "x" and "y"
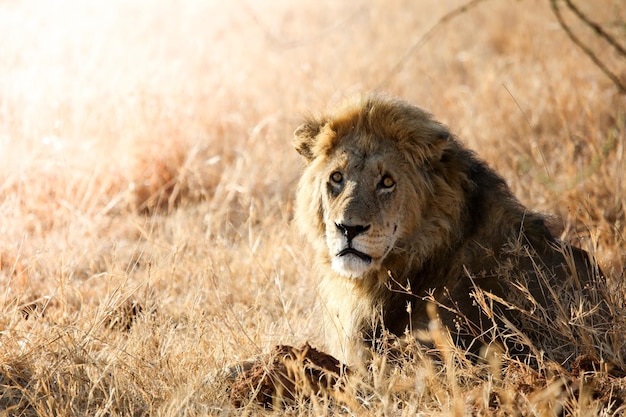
{"x": 387, "y": 182}
{"x": 336, "y": 177}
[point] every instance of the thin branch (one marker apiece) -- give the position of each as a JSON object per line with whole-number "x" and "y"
{"x": 429, "y": 34}
{"x": 557, "y": 12}
{"x": 596, "y": 28}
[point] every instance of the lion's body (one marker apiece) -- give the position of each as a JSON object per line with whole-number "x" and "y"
{"x": 399, "y": 211}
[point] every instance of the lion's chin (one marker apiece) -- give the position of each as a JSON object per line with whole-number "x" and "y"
{"x": 351, "y": 266}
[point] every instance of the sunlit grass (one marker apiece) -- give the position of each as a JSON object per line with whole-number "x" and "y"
{"x": 147, "y": 158}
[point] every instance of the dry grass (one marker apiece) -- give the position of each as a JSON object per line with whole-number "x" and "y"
{"x": 146, "y": 158}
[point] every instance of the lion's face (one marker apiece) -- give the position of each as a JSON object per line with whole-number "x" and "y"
{"x": 361, "y": 203}
{"x": 377, "y": 186}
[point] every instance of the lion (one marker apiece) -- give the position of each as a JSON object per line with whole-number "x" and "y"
{"x": 402, "y": 215}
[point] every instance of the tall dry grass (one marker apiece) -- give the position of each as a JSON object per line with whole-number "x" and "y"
{"x": 147, "y": 180}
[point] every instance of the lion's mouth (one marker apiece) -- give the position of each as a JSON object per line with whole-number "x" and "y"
{"x": 352, "y": 251}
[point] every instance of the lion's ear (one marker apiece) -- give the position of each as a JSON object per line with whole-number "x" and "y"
{"x": 441, "y": 142}
{"x": 304, "y": 139}
{"x": 443, "y": 134}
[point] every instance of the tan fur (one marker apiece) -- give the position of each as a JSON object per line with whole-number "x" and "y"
{"x": 424, "y": 217}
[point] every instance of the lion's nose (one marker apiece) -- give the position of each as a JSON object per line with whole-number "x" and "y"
{"x": 350, "y": 232}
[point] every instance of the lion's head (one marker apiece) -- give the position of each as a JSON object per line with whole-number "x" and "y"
{"x": 371, "y": 193}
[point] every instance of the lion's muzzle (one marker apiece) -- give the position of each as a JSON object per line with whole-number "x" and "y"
{"x": 356, "y": 249}
{"x": 349, "y": 258}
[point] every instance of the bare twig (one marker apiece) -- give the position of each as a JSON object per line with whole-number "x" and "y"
{"x": 596, "y": 28}
{"x": 557, "y": 12}
{"x": 426, "y": 37}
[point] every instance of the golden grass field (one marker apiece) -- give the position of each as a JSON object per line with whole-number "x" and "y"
{"x": 147, "y": 179}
